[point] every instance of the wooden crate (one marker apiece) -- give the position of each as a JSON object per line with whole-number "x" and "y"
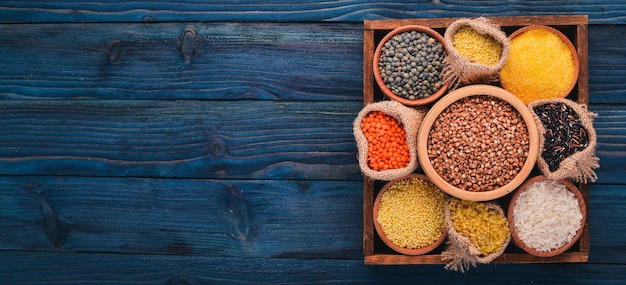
{"x": 375, "y": 251}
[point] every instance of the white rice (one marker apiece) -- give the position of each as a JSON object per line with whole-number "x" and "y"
{"x": 546, "y": 215}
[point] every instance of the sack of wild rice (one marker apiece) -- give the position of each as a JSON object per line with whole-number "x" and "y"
{"x": 386, "y": 137}
{"x": 567, "y": 140}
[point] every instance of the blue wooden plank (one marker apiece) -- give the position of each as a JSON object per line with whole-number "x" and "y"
{"x": 611, "y": 138}
{"x": 68, "y": 268}
{"x": 599, "y": 11}
{"x": 236, "y": 218}
{"x": 230, "y": 218}
{"x": 606, "y": 64}
{"x": 261, "y": 61}
{"x": 201, "y": 139}
{"x": 226, "y": 61}
{"x": 606, "y": 218}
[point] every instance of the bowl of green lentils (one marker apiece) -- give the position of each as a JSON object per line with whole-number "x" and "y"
{"x": 408, "y": 63}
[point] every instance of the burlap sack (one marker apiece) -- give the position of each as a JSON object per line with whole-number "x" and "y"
{"x": 409, "y": 118}
{"x": 460, "y": 252}
{"x": 458, "y": 70}
{"x": 581, "y": 165}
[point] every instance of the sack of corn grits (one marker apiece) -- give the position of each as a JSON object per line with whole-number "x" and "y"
{"x": 463, "y": 245}
{"x": 409, "y": 119}
{"x": 472, "y": 62}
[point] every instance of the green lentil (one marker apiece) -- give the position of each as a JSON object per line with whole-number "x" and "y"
{"x": 411, "y": 213}
{"x": 412, "y": 58}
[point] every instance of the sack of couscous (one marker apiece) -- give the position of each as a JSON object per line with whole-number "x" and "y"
{"x": 478, "y": 232}
{"x": 386, "y": 137}
{"x": 477, "y": 51}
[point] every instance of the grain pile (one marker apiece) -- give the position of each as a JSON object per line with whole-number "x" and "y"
{"x": 540, "y": 66}
{"x": 478, "y": 143}
{"x": 546, "y": 215}
{"x": 411, "y": 213}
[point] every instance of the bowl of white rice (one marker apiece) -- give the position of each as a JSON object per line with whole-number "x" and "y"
{"x": 546, "y": 216}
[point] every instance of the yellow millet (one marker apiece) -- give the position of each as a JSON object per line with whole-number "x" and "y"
{"x": 540, "y": 66}
{"x": 485, "y": 227}
{"x": 479, "y": 48}
{"x": 411, "y": 213}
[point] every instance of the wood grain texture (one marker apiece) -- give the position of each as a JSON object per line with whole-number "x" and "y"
{"x": 201, "y": 139}
{"x": 611, "y": 147}
{"x": 210, "y": 142}
{"x": 138, "y": 61}
{"x": 236, "y": 218}
{"x": 505, "y": 258}
{"x": 442, "y": 23}
{"x": 259, "y": 61}
{"x": 600, "y": 12}
{"x": 608, "y": 223}
{"x": 190, "y": 139}
{"x": 606, "y": 64}
{"x": 66, "y": 268}
{"x": 230, "y": 218}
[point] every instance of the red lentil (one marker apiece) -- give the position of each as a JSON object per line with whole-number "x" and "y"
{"x": 387, "y": 146}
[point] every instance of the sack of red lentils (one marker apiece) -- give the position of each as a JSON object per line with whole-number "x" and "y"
{"x": 478, "y": 232}
{"x": 567, "y": 140}
{"x": 386, "y": 137}
{"x": 477, "y": 51}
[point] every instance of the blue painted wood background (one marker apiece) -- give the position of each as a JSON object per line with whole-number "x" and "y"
{"x": 132, "y": 152}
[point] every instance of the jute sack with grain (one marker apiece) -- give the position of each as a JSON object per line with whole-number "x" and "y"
{"x": 459, "y": 70}
{"x": 581, "y": 165}
{"x": 460, "y": 252}
{"x": 409, "y": 118}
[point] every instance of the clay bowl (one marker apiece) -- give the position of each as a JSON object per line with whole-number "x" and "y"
{"x": 389, "y": 243}
{"x": 385, "y": 90}
{"x": 566, "y": 41}
{"x": 441, "y": 105}
{"x": 514, "y": 234}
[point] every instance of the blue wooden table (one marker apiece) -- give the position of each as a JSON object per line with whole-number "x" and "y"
{"x": 178, "y": 142}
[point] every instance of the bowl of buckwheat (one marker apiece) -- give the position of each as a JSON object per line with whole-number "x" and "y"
{"x": 478, "y": 143}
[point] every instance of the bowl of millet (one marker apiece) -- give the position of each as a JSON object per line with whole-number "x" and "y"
{"x": 409, "y": 215}
{"x": 408, "y": 63}
{"x": 478, "y": 143}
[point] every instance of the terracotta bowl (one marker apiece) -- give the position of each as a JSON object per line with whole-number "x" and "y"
{"x": 389, "y": 243}
{"x": 441, "y": 105}
{"x": 565, "y": 40}
{"x": 514, "y": 235}
{"x": 385, "y": 90}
